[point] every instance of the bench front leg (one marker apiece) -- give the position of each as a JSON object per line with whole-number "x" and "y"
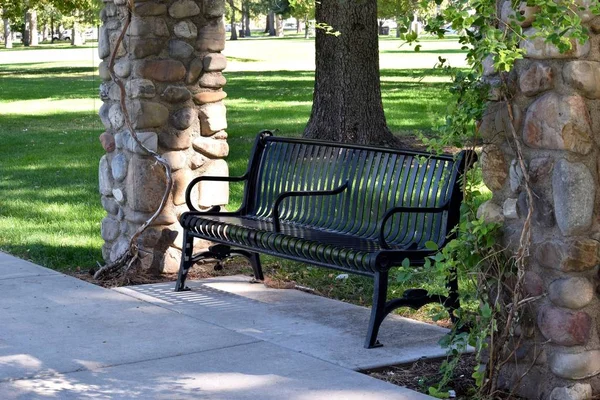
{"x": 186, "y": 261}
{"x": 378, "y": 311}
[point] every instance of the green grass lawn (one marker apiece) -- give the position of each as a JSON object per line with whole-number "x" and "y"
{"x": 50, "y": 208}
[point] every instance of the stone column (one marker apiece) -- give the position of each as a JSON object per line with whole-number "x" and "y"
{"x": 556, "y": 105}
{"x": 171, "y": 63}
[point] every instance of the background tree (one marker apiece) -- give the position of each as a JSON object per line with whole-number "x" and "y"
{"x": 347, "y": 103}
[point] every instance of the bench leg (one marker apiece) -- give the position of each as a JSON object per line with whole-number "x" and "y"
{"x": 257, "y": 267}
{"x": 378, "y": 310}
{"x": 186, "y": 262}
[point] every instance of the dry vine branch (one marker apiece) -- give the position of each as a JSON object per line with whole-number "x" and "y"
{"x": 517, "y": 301}
{"x": 125, "y": 261}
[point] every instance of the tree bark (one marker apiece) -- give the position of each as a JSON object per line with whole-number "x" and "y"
{"x": 247, "y": 19}
{"x": 25, "y": 35}
{"x": 7, "y": 34}
{"x": 306, "y": 27}
{"x": 271, "y": 23}
{"x": 279, "y": 25}
{"x": 298, "y": 26}
{"x": 33, "y": 28}
{"x": 347, "y": 103}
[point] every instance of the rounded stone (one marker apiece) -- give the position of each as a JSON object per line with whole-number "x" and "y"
{"x": 535, "y": 46}
{"x": 213, "y": 80}
{"x": 174, "y": 139}
{"x": 209, "y": 97}
{"x": 104, "y": 177}
{"x": 162, "y": 70}
{"x": 119, "y": 249}
{"x": 214, "y": 62}
{"x": 184, "y": 118}
{"x": 109, "y": 229}
{"x": 583, "y": 76}
{"x": 579, "y": 391}
{"x": 533, "y": 284}
{"x": 494, "y": 168}
{"x": 147, "y": 114}
{"x": 527, "y": 14}
{"x": 509, "y": 209}
{"x": 575, "y": 366}
{"x": 149, "y": 140}
{"x": 536, "y": 79}
{"x": 211, "y": 37}
{"x": 573, "y": 256}
{"x": 574, "y": 191}
{"x": 555, "y": 122}
{"x": 150, "y": 8}
{"x": 110, "y": 205}
{"x": 210, "y": 147}
{"x": 181, "y": 180}
{"x": 184, "y": 9}
{"x": 186, "y": 30}
{"x": 176, "y": 94}
{"x": 565, "y": 328}
{"x": 117, "y": 119}
{"x": 119, "y": 167}
{"x": 118, "y": 195}
{"x": 213, "y": 8}
{"x": 103, "y": 71}
{"x": 108, "y": 142}
{"x": 141, "y": 88}
{"x": 194, "y": 71}
{"x": 213, "y": 118}
{"x": 146, "y": 182}
{"x": 180, "y": 49}
{"x": 490, "y": 212}
{"x": 573, "y": 293}
{"x": 515, "y": 176}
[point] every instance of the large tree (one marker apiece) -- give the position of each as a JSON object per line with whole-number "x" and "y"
{"x": 347, "y": 98}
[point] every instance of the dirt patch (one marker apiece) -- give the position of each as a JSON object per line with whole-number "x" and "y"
{"x": 422, "y": 374}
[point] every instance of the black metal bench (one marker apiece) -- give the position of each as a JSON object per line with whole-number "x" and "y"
{"x": 352, "y": 208}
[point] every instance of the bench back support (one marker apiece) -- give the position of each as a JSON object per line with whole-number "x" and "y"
{"x": 378, "y": 180}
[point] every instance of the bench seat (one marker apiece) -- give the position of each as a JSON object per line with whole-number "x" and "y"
{"x": 302, "y": 243}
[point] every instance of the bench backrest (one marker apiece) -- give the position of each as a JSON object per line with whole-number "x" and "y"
{"x": 378, "y": 180}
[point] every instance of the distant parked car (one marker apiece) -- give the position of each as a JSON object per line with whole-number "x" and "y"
{"x": 64, "y": 35}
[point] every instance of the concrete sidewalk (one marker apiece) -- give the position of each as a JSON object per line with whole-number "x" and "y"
{"x": 62, "y": 338}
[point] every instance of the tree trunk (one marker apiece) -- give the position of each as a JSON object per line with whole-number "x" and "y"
{"x": 298, "y": 26}
{"x": 271, "y": 23}
{"x": 76, "y": 36}
{"x": 45, "y": 32}
{"x": 247, "y": 19}
{"x": 33, "y": 28}
{"x": 306, "y": 26}
{"x": 7, "y": 34}
{"x": 279, "y": 25}
{"x": 267, "y": 23}
{"x": 397, "y": 27}
{"x": 26, "y": 26}
{"x": 347, "y": 103}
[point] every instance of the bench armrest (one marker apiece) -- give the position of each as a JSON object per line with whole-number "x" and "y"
{"x": 188, "y": 191}
{"x": 390, "y": 213}
{"x": 285, "y": 195}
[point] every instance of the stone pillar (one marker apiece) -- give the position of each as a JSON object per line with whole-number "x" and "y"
{"x": 556, "y": 107}
{"x": 171, "y": 63}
